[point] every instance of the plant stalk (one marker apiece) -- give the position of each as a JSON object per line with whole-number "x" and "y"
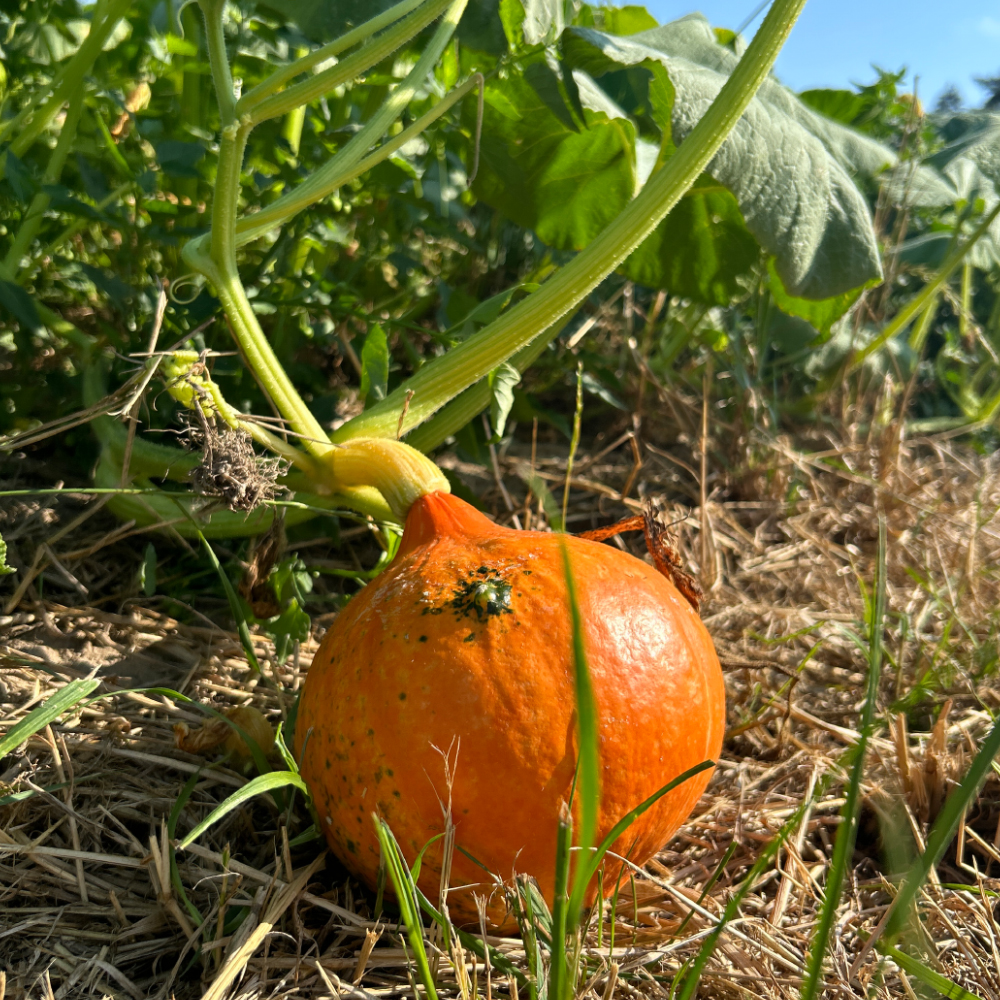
{"x": 217, "y": 260}
{"x": 218, "y": 264}
{"x": 215, "y": 40}
{"x": 965, "y": 315}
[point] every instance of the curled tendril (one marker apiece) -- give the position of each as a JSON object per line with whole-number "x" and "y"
{"x": 196, "y": 281}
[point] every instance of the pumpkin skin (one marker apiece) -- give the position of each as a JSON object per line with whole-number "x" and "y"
{"x": 465, "y": 642}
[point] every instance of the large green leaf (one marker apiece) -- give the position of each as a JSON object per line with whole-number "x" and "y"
{"x": 788, "y": 167}
{"x": 973, "y": 136}
{"x": 964, "y": 173}
{"x": 546, "y": 173}
{"x": 568, "y": 143}
{"x": 700, "y": 249}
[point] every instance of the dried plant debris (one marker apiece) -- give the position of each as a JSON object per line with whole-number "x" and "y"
{"x": 230, "y": 468}
{"x": 95, "y": 900}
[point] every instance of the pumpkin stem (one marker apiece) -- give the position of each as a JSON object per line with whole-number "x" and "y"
{"x": 399, "y": 472}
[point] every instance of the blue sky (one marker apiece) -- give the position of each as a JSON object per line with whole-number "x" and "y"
{"x": 836, "y": 41}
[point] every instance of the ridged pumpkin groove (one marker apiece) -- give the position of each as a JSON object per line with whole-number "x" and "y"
{"x": 464, "y": 642}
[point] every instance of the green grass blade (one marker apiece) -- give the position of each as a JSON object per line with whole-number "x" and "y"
{"x": 562, "y": 921}
{"x": 927, "y": 976}
{"x": 27, "y": 793}
{"x": 847, "y": 831}
{"x": 588, "y": 783}
{"x": 234, "y": 605}
{"x": 262, "y": 783}
{"x": 707, "y": 888}
{"x": 175, "y": 876}
{"x": 625, "y": 822}
{"x": 50, "y": 710}
{"x": 528, "y": 921}
{"x": 406, "y": 895}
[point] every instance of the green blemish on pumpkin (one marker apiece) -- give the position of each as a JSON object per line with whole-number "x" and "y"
{"x": 470, "y": 637}
{"x": 485, "y": 598}
{"x": 402, "y": 696}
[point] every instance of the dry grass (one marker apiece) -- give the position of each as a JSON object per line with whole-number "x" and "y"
{"x": 88, "y": 906}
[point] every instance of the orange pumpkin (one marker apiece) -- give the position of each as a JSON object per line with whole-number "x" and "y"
{"x": 465, "y": 642}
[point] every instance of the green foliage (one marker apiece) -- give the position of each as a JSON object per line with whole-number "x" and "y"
{"x": 147, "y": 571}
{"x": 235, "y": 604}
{"x": 563, "y": 152}
{"x": 407, "y": 895}
{"x": 502, "y": 381}
{"x": 292, "y": 583}
{"x": 374, "y": 365}
{"x": 65, "y": 699}
{"x": 928, "y": 976}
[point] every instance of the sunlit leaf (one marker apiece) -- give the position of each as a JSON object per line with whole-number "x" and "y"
{"x": 502, "y": 381}
{"x": 374, "y": 365}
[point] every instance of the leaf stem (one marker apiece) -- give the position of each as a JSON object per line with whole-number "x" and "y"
{"x": 217, "y": 260}
{"x": 347, "y": 164}
{"x": 215, "y": 39}
{"x": 371, "y": 53}
{"x": 438, "y": 382}
{"x": 218, "y": 264}
{"x": 306, "y": 62}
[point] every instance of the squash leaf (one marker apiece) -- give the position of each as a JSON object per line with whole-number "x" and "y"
{"x": 788, "y": 168}
{"x": 782, "y": 183}
{"x": 544, "y": 173}
{"x": 501, "y": 381}
{"x": 965, "y": 173}
{"x": 374, "y": 366}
